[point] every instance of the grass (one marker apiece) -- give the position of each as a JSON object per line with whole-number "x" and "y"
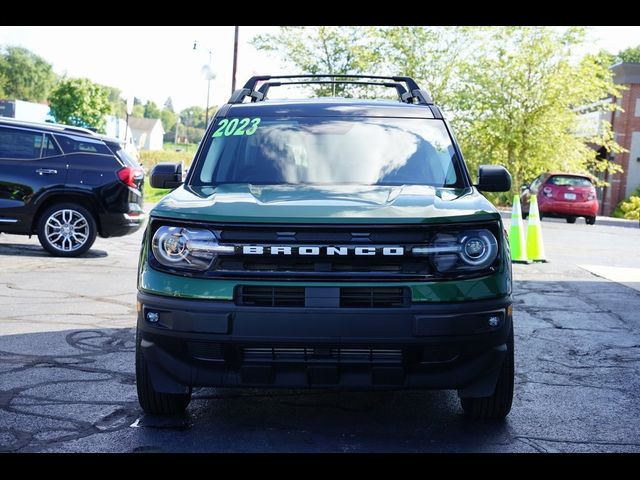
{"x": 153, "y": 195}
{"x": 181, "y": 147}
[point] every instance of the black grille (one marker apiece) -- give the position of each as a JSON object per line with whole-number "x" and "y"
{"x": 375, "y": 297}
{"x": 323, "y": 354}
{"x": 344, "y": 297}
{"x": 205, "y": 350}
{"x": 270, "y": 296}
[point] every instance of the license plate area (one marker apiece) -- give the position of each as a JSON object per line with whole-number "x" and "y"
{"x": 569, "y": 196}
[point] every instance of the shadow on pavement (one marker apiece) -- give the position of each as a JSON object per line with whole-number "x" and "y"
{"x": 28, "y": 250}
{"x": 577, "y": 348}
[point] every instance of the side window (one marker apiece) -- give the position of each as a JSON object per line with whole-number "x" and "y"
{"x": 50, "y": 148}
{"x": 20, "y": 144}
{"x": 73, "y": 144}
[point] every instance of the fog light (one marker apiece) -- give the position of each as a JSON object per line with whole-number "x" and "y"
{"x": 153, "y": 317}
{"x": 494, "y": 320}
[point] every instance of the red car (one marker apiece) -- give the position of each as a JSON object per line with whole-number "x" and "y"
{"x": 564, "y": 195}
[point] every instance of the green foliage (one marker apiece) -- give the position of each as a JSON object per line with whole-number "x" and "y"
{"x": 118, "y": 104}
{"x": 518, "y": 106}
{"x": 631, "y": 54}
{"x": 25, "y": 75}
{"x": 333, "y": 49}
{"x": 629, "y": 208}
{"x": 151, "y": 110}
{"x": 193, "y": 117}
{"x": 80, "y": 102}
{"x": 149, "y": 158}
{"x": 137, "y": 111}
{"x": 168, "y": 119}
{"x": 153, "y": 195}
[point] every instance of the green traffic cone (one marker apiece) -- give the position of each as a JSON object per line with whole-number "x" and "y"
{"x": 516, "y": 234}
{"x": 535, "y": 245}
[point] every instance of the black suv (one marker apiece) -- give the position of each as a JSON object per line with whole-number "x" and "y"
{"x": 67, "y": 185}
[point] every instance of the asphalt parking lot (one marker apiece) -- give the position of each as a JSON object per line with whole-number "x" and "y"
{"x": 67, "y": 380}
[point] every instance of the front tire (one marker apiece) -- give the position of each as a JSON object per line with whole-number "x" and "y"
{"x": 571, "y": 219}
{"x": 590, "y": 220}
{"x": 66, "y": 230}
{"x": 149, "y": 398}
{"x": 498, "y": 405}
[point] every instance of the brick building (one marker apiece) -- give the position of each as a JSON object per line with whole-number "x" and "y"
{"x": 626, "y": 125}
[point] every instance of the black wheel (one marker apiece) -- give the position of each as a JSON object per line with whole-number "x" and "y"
{"x": 66, "y": 230}
{"x": 525, "y": 215}
{"x": 151, "y": 400}
{"x": 590, "y": 220}
{"x": 497, "y": 405}
{"x": 571, "y": 219}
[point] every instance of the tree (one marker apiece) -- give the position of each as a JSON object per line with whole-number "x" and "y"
{"x": 522, "y": 98}
{"x": 25, "y": 75}
{"x": 151, "y": 110}
{"x": 138, "y": 111}
{"x": 118, "y": 104}
{"x": 323, "y": 50}
{"x": 193, "y": 117}
{"x": 631, "y": 54}
{"x": 80, "y": 102}
{"x": 168, "y": 104}
{"x": 168, "y": 119}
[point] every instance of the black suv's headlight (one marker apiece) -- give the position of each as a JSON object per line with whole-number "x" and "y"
{"x": 187, "y": 248}
{"x": 463, "y": 251}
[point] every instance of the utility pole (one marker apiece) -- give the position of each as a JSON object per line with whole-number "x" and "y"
{"x": 235, "y": 59}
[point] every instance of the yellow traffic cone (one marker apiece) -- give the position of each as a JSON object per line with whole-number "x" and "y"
{"x": 516, "y": 234}
{"x": 535, "y": 245}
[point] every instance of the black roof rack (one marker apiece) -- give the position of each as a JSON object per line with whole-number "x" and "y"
{"x": 412, "y": 94}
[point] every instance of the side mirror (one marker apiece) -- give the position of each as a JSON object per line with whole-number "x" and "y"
{"x": 166, "y": 175}
{"x": 493, "y": 178}
{"x": 524, "y": 187}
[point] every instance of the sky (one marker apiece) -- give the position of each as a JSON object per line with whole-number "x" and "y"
{"x": 153, "y": 63}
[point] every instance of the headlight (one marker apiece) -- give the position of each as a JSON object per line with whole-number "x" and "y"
{"x": 468, "y": 250}
{"x": 187, "y": 248}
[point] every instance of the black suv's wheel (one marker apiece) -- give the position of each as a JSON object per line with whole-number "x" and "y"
{"x": 149, "y": 398}
{"x": 590, "y": 220}
{"x": 571, "y": 219}
{"x": 497, "y": 405}
{"x": 66, "y": 230}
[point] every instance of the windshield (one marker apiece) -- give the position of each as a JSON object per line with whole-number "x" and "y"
{"x": 329, "y": 150}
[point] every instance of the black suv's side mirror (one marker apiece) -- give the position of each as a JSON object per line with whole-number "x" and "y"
{"x": 493, "y": 178}
{"x": 166, "y": 175}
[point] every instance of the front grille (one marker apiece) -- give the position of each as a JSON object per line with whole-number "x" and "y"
{"x": 253, "y": 296}
{"x": 205, "y": 350}
{"x": 374, "y": 297}
{"x": 322, "y": 354}
{"x": 344, "y": 297}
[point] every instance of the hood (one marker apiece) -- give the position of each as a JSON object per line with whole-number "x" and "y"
{"x": 353, "y": 204}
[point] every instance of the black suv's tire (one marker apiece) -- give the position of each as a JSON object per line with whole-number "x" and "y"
{"x": 571, "y": 219}
{"x": 150, "y": 399}
{"x": 497, "y": 405}
{"x": 77, "y": 229}
{"x": 590, "y": 220}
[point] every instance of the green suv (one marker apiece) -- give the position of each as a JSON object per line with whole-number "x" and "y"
{"x": 326, "y": 243}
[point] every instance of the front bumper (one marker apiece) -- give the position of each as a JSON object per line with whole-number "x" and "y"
{"x": 456, "y": 345}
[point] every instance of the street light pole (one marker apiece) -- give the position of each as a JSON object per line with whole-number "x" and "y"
{"x": 235, "y": 59}
{"x": 209, "y": 74}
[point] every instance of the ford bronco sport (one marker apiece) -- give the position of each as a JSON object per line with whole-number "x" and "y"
{"x": 329, "y": 243}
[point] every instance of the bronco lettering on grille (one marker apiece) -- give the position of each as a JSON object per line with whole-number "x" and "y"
{"x": 321, "y": 250}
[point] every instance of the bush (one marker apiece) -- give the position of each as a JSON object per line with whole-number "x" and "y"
{"x": 148, "y": 158}
{"x": 629, "y": 208}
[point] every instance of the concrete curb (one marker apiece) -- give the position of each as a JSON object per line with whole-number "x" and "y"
{"x": 608, "y": 221}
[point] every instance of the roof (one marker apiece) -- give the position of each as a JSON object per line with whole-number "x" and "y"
{"x": 145, "y": 124}
{"x": 58, "y": 128}
{"x": 330, "y": 106}
{"x": 626, "y": 72}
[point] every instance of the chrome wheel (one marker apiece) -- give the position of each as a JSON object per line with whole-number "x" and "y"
{"x": 67, "y": 230}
